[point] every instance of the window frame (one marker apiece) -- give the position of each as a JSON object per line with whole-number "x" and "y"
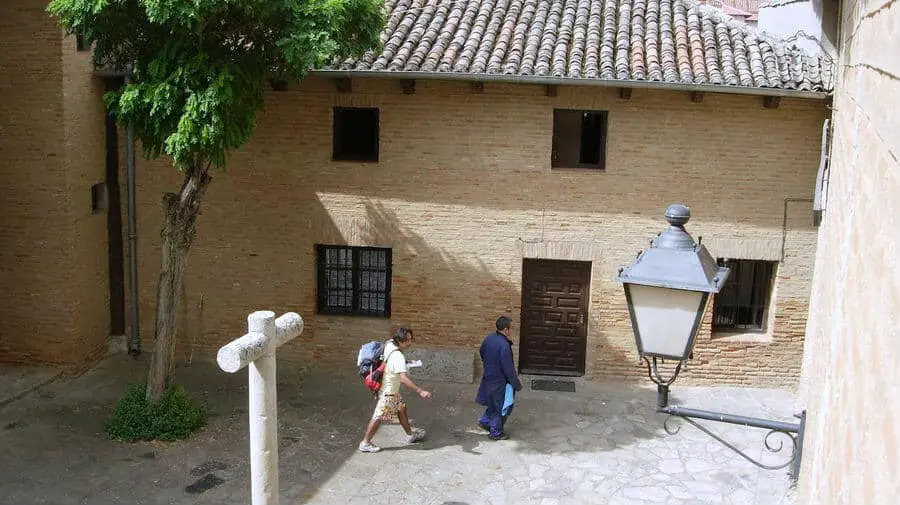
{"x": 603, "y": 145}
{"x": 766, "y": 268}
{"x": 322, "y": 306}
{"x": 337, "y": 145}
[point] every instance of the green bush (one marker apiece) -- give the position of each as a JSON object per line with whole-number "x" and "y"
{"x": 176, "y": 415}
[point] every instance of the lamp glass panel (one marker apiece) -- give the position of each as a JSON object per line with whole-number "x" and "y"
{"x": 665, "y": 318}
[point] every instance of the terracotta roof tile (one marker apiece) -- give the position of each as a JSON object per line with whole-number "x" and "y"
{"x": 673, "y": 41}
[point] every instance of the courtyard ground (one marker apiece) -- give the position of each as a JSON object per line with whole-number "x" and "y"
{"x": 602, "y": 444}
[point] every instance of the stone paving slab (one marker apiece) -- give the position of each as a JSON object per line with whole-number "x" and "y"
{"x": 603, "y": 444}
{"x": 20, "y": 380}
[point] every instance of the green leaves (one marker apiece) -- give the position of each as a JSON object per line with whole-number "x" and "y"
{"x": 200, "y": 68}
{"x": 175, "y": 416}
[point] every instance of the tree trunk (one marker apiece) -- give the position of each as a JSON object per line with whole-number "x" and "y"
{"x": 178, "y": 233}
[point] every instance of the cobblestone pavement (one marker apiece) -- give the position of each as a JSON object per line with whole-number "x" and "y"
{"x": 603, "y": 444}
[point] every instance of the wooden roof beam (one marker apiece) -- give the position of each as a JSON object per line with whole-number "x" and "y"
{"x": 771, "y": 102}
{"x": 344, "y": 85}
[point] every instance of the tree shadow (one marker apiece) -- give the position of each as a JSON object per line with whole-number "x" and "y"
{"x": 454, "y": 270}
{"x": 457, "y": 295}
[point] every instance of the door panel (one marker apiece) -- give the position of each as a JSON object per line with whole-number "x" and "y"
{"x": 554, "y": 316}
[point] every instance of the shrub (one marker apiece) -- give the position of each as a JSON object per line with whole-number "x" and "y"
{"x": 175, "y": 416}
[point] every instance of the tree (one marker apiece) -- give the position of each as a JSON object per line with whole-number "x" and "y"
{"x": 199, "y": 72}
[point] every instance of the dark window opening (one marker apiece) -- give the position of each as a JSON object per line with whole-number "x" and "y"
{"x": 79, "y": 42}
{"x": 98, "y": 198}
{"x": 354, "y": 281}
{"x": 355, "y": 134}
{"x": 743, "y": 302}
{"x": 579, "y": 139}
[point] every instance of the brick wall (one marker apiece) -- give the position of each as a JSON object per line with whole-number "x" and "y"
{"x": 851, "y": 380}
{"x": 53, "y": 251}
{"x": 463, "y": 191}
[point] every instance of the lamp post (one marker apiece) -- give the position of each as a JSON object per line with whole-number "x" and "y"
{"x": 667, "y": 288}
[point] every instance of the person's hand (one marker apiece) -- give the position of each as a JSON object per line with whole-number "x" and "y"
{"x": 425, "y": 394}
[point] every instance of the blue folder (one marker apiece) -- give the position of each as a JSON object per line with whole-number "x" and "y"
{"x": 508, "y": 399}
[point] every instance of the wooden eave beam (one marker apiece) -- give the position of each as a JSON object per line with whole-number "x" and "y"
{"x": 344, "y": 85}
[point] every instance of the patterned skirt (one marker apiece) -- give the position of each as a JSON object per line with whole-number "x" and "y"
{"x": 388, "y": 407}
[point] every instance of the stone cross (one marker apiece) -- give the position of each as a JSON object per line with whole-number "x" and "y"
{"x": 257, "y": 349}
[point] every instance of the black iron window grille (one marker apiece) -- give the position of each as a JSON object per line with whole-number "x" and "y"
{"x": 743, "y": 302}
{"x": 354, "y": 281}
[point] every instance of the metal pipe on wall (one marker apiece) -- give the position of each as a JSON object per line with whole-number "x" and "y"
{"x": 134, "y": 340}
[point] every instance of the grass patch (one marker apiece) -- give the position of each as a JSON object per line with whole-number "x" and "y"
{"x": 175, "y": 416}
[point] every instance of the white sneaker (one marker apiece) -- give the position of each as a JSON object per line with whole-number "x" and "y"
{"x": 368, "y": 447}
{"x": 417, "y": 435}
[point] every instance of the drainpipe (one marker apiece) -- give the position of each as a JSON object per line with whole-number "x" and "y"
{"x": 134, "y": 340}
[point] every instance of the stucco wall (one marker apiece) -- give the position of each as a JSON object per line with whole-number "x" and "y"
{"x": 851, "y": 381}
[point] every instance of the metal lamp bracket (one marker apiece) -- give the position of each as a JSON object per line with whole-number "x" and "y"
{"x": 794, "y": 431}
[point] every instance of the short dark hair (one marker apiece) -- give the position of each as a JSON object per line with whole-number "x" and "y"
{"x": 503, "y": 323}
{"x": 401, "y": 334}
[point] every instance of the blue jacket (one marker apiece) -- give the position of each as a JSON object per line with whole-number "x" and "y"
{"x": 499, "y": 370}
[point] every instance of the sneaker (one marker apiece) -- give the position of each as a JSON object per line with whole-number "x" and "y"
{"x": 368, "y": 447}
{"x": 484, "y": 427}
{"x": 416, "y": 436}
{"x": 502, "y": 436}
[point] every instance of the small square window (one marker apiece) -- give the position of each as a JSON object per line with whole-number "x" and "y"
{"x": 98, "y": 198}
{"x": 579, "y": 139}
{"x": 79, "y": 42}
{"x": 354, "y": 281}
{"x": 743, "y": 302}
{"x": 355, "y": 134}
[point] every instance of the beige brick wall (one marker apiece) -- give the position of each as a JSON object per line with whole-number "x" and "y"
{"x": 463, "y": 191}
{"x": 53, "y": 251}
{"x": 851, "y": 380}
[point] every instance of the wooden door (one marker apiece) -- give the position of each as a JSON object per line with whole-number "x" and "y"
{"x": 555, "y": 298}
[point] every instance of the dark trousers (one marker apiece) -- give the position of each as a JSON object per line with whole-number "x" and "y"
{"x": 494, "y": 419}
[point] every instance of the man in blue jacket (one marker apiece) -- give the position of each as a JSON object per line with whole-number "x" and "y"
{"x": 499, "y": 370}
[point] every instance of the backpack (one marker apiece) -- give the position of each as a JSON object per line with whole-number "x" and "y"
{"x": 369, "y": 356}
{"x": 374, "y": 371}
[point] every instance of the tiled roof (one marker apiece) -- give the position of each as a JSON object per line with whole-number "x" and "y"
{"x": 663, "y": 41}
{"x": 751, "y": 6}
{"x": 734, "y": 11}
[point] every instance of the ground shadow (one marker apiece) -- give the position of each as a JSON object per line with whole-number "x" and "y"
{"x": 58, "y": 429}
{"x": 446, "y": 285}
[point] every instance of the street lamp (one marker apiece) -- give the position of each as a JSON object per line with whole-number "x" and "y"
{"x": 667, "y": 288}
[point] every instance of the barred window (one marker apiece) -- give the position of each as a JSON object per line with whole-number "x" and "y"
{"x": 354, "y": 281}
{"x": 743, "y": 302}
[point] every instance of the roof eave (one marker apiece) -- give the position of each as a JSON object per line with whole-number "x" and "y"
{"x": 604, "y": 83}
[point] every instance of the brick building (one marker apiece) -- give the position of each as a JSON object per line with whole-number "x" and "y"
{"x": 53, "y": 243}
{"x": 492, "y": 158}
